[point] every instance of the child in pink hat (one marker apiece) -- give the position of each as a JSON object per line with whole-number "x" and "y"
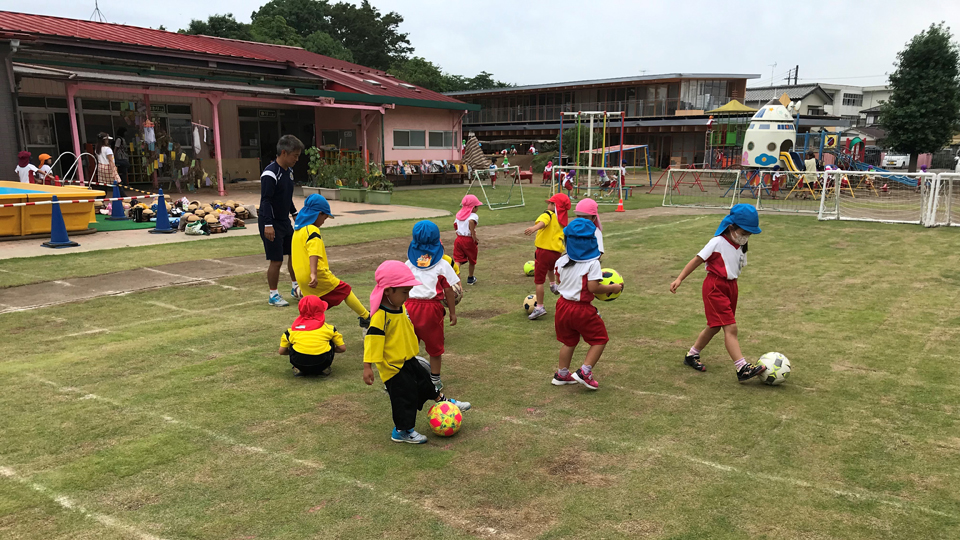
{"x": 466, "y": 246}
{"x": 392, "y": 345}
{"x": 587, "y": 208}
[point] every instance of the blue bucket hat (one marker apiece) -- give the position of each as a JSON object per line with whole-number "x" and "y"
{"x": 744, "y": 216}
{"x": 312, "y": 207}
{"x": 425, "y": 250}
{"x": 581, "y": 238}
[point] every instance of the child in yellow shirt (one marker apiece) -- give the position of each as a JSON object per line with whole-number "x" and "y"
{"x": 391, "y": 345}
{"x": 310, "y": 342}
{"x": 310, "y": 264}
{"x": 549, "y": 242}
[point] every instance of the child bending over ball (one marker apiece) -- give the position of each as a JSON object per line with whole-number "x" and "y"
{"x": 437, "y": 278}
{"x": 578, "y": 279}
{"x": 391, "y": 345}
{"x": 310, "y": 264}
{"x": 549, "y": 243}
{"x": 725, "y": 255}
{"x": 465, "y": 247}
{"x": 311, "y": 342}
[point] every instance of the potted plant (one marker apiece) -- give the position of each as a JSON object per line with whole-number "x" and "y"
{"x": 352, "y": 178}
{"x": 379, "y": 189}
{"x": 322, "y": 176}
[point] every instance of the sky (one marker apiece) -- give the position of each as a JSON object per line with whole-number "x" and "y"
{"x": 536, "y": 42}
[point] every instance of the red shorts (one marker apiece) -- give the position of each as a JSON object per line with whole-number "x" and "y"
{"x": 464, "y": 249}
{"x": 574, "y": 320}
{"x": 546, "y": 175}
{"x": 427, "y": 318}
{"x": 337, "y": 295}
{"x": 720, "y": 300}
{"x": 544, "y": 261}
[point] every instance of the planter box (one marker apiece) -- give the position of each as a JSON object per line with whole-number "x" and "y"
{"x": 328, "y": 193}
{"x": 307, "y": 191}
{"x": 378, "y": 197}
{"x": 353, "y": 194}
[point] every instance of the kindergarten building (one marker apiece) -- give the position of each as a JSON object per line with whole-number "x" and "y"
{"x": 66, "y": 80}
{"x": 670, "y": 113}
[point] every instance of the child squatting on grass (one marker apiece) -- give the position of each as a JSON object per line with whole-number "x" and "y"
{"x": 466, "y": 245}
{"x": 437, "y": 278}
{"x": 310, "y": 264}
{"x": 311, "y": 342}
{"x": 391, "y": 344}
{"x": 578, "y": 279}
{"x": 549, "y": 243}
{"x": 725, "y": 255}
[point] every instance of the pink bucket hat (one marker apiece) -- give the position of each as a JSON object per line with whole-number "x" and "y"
{"x": 390, "y": 274}
{"x": 467, "y": 205}
{"x": 589, "y": 207}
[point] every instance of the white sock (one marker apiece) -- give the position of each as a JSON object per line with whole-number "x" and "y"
{"x": 274, "y": 291}
{"x": 294, "y": 284}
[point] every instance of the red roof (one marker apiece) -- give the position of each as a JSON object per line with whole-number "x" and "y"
{"x": 121, "y": 33}
{"x": 347, "y": 74}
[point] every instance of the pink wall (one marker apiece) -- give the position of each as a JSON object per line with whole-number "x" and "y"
{"x": 415, "y": 118}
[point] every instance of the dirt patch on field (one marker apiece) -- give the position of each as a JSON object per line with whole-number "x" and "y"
{"x": 482, "y": 314}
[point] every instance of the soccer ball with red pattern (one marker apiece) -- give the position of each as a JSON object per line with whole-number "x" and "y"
{"x": 444, "y": 418}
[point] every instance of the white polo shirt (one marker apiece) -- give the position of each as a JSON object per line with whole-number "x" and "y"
{"x": 724, "y": 258}
{"x": 463, "y": 225}
{"x": 572, "y": 280}
{"x": 432, "y": 280}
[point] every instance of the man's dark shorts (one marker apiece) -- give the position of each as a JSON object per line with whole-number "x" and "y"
{"x": 281, "y": 243}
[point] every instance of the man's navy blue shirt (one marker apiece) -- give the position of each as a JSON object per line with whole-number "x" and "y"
{"x": 276, "y": 197}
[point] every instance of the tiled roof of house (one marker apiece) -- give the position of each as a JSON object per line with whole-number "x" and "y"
{"x": 795, "y": 92}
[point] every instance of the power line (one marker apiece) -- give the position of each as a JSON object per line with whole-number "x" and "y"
{"x": 835, "y": 78}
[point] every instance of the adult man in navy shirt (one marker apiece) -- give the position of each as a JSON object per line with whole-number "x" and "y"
{"x": 276, "y": 207}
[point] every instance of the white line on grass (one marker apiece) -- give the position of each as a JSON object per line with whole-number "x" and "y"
{"x": 608, "y": 235}
{"x": 191, "y": 278}
{"x": 444, "y": 516}
{"x": 160, "y": 319}
{"x": 168, "y": 306}
{"x": 70, "y": 504}
{"x": 857, "y": 495}
{"x": 64, "y": 283}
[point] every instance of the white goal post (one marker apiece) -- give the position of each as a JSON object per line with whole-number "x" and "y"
{"x": 507, "y": 178}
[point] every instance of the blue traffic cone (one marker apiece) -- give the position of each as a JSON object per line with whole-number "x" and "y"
{"x": 163, "y": 220}
{"x": 58, "y": 229}
{"x": 116, "y": 210}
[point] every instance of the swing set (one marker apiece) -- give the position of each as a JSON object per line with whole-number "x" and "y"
{"x": 609, "y": 181}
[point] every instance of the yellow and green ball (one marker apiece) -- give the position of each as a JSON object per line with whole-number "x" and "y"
{"x": 529, "y": 267}
{"x": 445, "y": 418}
{"x": 610, "y": 277}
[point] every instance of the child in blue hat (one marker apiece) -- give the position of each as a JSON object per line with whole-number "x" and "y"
{"x": 437, "y": 279}
{"x": 310, "y": 264}
{"x": 725, "y": 255}
{"x": 578, "y": 280}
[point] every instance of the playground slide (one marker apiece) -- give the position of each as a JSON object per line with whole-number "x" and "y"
{"x": 792, "y": 161}
{"x": 861, "y": 166}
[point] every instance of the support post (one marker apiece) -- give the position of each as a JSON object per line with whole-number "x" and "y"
{"x": 590, "y": 158}
{"x": 214, "y": 100}
{"x": 74, "y": 131}
{"x": 146, "y": 103}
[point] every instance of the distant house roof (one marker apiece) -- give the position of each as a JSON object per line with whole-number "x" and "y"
{"x": 795, "y": 92}
{"x": 353, "y": 78}
{"x": 604, "y": 82}
{"x": 872, "y": 109}
{"x": 874, "y": 133}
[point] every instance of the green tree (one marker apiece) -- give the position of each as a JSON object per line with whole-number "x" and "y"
{"x": 274, "y": 30}
{"x": 485, "y": 80}
{"x": 372, "y": 37}
{"x": 305, "y": 16}
{"x": 420, "y": 72}
{"x": 923, "y": 112}
{"x": 323, "y": 43}
{"x": 224, "y": 26}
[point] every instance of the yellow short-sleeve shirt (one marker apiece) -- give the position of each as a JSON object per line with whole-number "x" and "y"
{"x": 308, "y": 242}
{"x": 391, "y": 341}
{"x": 551, "y": 236}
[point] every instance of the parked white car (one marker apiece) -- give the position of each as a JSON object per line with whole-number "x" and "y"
{"x": 894, "y": 161}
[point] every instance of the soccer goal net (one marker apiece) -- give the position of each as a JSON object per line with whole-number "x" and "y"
{"x": 704, "y": 188}
{"x": 602, "y": 184}
{"x": 887, "y": 197}
{"x": 500, "y": 186}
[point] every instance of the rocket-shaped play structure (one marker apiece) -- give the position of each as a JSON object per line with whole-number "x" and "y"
{"x": 771, "y": 131}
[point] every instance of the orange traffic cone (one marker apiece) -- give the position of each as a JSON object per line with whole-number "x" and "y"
{"x": 620, "y": 206}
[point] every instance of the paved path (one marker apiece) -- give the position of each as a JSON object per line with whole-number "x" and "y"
{"x": 208, "y": 271}
{"x": 347, "y": 214}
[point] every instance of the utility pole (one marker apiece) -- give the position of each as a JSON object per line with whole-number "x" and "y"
{"x": 796, "y": 73}
{"x": 773, "y": 68}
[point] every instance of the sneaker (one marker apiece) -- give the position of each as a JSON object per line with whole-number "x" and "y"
{"x": 560, "y": 380}
{"x": 538, "y": 312}
{"x": 277, "y": 300}
{"x": 409, "y": 436}
{"x": 364, "y": 322}
{"x": 463, "y": 405}
{"x": 693, "y": 360}
{"x": 586, "y": 379}
{"x": 295, "y": 293}
{"x": 472, "y": 280}
{"x": 749, "y": 371}
{"x": 326, "y": 372}
{"x": 554, "y": 289}
{"x": 297, "y": 373}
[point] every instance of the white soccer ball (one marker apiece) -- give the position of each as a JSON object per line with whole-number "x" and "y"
{"x": 297, "y": 293}
{"x": 457, "y": 295}
{"x": 530, "y": 303}
{"x": 778, "y": 368}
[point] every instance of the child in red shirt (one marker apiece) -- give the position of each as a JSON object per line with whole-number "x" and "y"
{"x": 725, "y": 255}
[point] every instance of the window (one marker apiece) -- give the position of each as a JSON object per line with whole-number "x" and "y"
{"x": 409, "y": 139}
{"x": 815, "y": 111}
{"x": 853, "y": 100}
{"x": 441, "y": 139}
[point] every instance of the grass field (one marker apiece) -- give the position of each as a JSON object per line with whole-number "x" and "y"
{"x": 123, "y": 420}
